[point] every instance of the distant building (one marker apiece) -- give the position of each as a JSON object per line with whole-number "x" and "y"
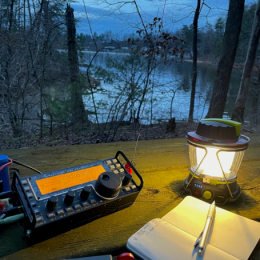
{"x": 109, "y": 48}
{"x": 124, "y": 49}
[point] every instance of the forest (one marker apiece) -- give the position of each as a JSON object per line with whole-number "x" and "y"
{"x": 49, "y": 90}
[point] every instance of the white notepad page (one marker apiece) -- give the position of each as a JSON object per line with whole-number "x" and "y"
{"x": 230, "y": 232}
{"x": 159, "y": 240}
{"x": 173, "y": 237}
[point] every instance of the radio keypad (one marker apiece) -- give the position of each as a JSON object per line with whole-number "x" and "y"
{"x": 72, "y": 201}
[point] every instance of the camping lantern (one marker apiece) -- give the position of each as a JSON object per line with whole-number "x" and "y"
{"x": 216, "y": 150}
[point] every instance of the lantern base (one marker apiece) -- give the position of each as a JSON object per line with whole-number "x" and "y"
{"x": 210, "y": 192}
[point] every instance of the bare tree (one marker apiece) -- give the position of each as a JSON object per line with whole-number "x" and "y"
{"x": 225, "y": 65}
{"x": 195, "y": 56}
{"x": 30, "y": 32}
{"x": 238, "y": 113}
{"x": 76, "y": 86}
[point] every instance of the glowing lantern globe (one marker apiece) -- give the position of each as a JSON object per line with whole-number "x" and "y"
{"x": 216, "y": 150}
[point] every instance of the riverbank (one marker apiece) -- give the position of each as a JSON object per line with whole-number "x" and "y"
{"x": 238, "y": 66}
{"x": 124, "y": 133}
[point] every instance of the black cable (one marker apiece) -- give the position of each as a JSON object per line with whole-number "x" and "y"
{"x": 12, "y": 211}
{"x": 27, "y": 166}
{"x": 6, "y": 194}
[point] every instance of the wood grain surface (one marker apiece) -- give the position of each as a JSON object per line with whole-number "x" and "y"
{"x": 164, "y": 164}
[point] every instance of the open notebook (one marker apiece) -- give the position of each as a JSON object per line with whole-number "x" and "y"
{"x": 173, "y": 236}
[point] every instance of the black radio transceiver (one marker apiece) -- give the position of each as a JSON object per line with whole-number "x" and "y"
{"x": 54, "y": 202}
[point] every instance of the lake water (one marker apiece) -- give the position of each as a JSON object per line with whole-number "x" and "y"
{"x": 163, "y": 83}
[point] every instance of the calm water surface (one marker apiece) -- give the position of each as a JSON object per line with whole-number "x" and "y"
{"x": 166, "y": 81}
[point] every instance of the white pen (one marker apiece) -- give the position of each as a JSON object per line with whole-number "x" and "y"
{"x": 202, "y": 239}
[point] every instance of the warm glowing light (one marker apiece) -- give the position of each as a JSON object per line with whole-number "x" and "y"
{"x": 210, "y": 165}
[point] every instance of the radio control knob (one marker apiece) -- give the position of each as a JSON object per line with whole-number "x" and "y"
{"x": 52, "y": 203}
{"x": 69, "y": 197}
{"x": 85, "y": 192}
{"x": 108, "y": 184}
{"x": 126, "y": 180}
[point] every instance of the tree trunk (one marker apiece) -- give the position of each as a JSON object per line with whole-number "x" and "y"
{"x": 238, "y": 113}
{"x": 76, "y": 88}
{"x": 231, "y": 38}
{"x": 194, "y": 64}
{"x": 256, "y": 95}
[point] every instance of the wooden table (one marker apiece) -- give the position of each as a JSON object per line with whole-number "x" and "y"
{"x": 164, "y": 164}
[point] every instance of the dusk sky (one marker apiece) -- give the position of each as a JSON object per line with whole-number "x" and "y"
{"x": 124, "y": 20}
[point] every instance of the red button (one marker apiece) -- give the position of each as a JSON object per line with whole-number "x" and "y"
{"x": 2, "y": 206}
{"x": 125, "y": 256}
{"x": 128, "y": 168}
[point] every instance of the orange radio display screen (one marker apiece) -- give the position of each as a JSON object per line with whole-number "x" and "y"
{"x": 70, "y": 179}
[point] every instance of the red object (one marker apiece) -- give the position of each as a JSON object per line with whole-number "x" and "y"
{"x": 128, "y": 168}
{"x": 126, "y": 256}
{"x": 2, "y": 206}
{"x": 10, "y": 162}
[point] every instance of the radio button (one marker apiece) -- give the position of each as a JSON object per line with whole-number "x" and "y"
{"x": 92, "y": 201}
{"x": 60, "y": 212}
{"x": 133, "y": 187}
{"x": 108, "y": 162}
{"x": 112, "y": 167}
{"x": 51, "y": 215}
{"x": 77, "y": 206}
{"x": 27, "y": 188}
{"x": 39, "y": 220}
{"x": 126, "y": 189}
{"x": 30, "y": 195}
{"x": 24, "y": 182}
{"x": 36, "y": 212}
{"x": 121, "y": 170}
{"x": 116, "y": 171}
{"x": 118, "y": 165}
{"x": 85, "y": 205}
{"x": 69, "y": 210}
{"x": 114, "y": 160}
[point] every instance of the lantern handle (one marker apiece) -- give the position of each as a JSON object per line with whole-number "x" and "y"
{"x": 224, "y": 173}
{"x": 193, "y": 175}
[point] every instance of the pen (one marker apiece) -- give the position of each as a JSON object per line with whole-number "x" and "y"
{"x": 202, "y": 239}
